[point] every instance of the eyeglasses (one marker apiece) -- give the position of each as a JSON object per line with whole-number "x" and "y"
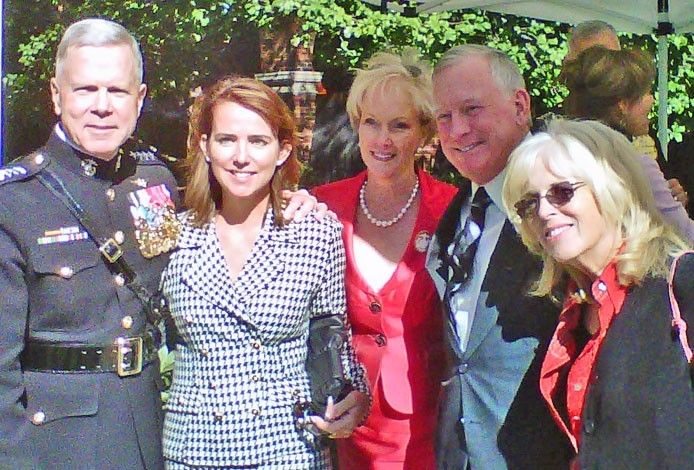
{"x": 558, "y": 194}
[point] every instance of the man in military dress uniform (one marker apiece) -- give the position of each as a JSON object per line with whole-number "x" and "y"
{"x": 78, "y": 378}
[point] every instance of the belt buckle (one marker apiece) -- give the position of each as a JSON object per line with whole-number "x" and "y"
{"x": 129, "y": 356}
{"x": 111, "y": 250}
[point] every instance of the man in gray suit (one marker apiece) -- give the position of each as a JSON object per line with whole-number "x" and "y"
{"x": 492, "y": 415}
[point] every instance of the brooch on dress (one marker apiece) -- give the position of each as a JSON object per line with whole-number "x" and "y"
{"x": 421, "y": 241}
{"x": 156, "y": 224}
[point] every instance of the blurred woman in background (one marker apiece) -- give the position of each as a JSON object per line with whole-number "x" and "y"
{"x": 614, "y": 86}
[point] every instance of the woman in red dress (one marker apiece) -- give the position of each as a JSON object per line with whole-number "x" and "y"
{"x": 389, "y": 213}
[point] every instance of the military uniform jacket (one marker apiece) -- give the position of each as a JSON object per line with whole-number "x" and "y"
{"x": 243, "y": 365}
{"x": 56, "y": 288}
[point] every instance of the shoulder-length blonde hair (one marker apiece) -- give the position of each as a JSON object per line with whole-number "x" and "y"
{"x": 606, "y": 161}
{"x": 203, "y": 194}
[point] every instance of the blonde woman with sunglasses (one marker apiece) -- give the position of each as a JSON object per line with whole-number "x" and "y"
{"x": 615, "y": 376}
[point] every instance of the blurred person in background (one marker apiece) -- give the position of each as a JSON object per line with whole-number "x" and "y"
{"x": 614, "y": 86}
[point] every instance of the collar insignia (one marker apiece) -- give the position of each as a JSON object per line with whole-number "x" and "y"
{"x": 89, "y": 167}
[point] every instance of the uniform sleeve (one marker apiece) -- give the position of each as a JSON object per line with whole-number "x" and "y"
{"x": 672, "y": 211}
{"x": 13, "y": 321}
{"x": 331, "y": 299}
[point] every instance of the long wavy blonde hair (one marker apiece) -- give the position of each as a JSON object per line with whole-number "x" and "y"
{"x": 607, "y": 162}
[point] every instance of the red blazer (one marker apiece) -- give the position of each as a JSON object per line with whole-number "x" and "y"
{"x": 398, "y": 330}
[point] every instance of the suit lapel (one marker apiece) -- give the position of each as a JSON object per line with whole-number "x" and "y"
{"x": 486, "y": 318}
{"x": 207, "y": 274}
{"x": 266, "y": 263}
{"x": 505, "y": 297}
{"x": 206, "y": 271}
{"x": 444, "y": 236}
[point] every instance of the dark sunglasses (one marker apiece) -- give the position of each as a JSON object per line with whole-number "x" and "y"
{"x": 558, "y": 194}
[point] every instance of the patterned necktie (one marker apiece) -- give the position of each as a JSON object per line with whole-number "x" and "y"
{"x": 460, "y": 254}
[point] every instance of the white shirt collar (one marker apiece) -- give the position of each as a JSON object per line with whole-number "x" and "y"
{"x": 494, "y": 188}
{"x": 60, "y": 133}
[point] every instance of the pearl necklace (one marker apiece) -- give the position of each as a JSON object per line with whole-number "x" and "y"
{"x": 400, "y": 215}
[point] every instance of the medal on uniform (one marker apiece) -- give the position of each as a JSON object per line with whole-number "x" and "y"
{"x": 62, "y": 235}
{"x": 156, "y": 224}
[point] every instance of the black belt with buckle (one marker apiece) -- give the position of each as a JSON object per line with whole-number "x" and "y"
{"x": 125, "y": 357}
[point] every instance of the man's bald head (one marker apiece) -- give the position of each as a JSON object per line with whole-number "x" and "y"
{"x": 592, "y": 33}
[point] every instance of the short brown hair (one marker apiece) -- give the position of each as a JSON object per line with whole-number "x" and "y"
{"x": 600, "y": 78}
{"x": 203, "y": 195}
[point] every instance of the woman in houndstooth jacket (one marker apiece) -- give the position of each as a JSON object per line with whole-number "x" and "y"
{"x": 242, "y": 287}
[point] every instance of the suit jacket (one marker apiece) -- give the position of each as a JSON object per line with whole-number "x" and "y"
{"x": 56, "y": 289}
{"x": 397, "y": 330}
{"x": 492, "y": 415}
{"x": 242, "y": 366}
{"x": 639, "y": 409}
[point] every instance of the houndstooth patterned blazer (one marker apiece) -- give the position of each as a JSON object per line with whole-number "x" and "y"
{"x": 242, "y": 367}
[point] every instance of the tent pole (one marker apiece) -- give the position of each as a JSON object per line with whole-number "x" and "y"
{"x": 2, "y": 88}
{"x": 664, "y": 28}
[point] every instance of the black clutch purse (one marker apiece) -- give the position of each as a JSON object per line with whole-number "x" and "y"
{"x": 327, "y": 336}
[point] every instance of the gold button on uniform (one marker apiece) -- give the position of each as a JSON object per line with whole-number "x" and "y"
{"x": 119, "y": 280}
{"x": 127, "y": 322}
{"x": 67, "y": 272}
{"x": 255, "y": 411}
{"x": 119, "y": 237}
{"x": 110, "y": 194}
{"x": 38, "y": 418}
{"x": 256, "y": 344}
{"x": 218, "y": 417}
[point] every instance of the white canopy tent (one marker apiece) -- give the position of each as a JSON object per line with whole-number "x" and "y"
{"x": 632, "y": 16}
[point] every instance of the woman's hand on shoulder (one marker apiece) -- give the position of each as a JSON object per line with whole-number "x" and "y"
{"x": 300, "y": 203}
{"x": 343, "y": 417}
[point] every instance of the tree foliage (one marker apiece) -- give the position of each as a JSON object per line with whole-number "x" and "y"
{"x": 186, "y": 42}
